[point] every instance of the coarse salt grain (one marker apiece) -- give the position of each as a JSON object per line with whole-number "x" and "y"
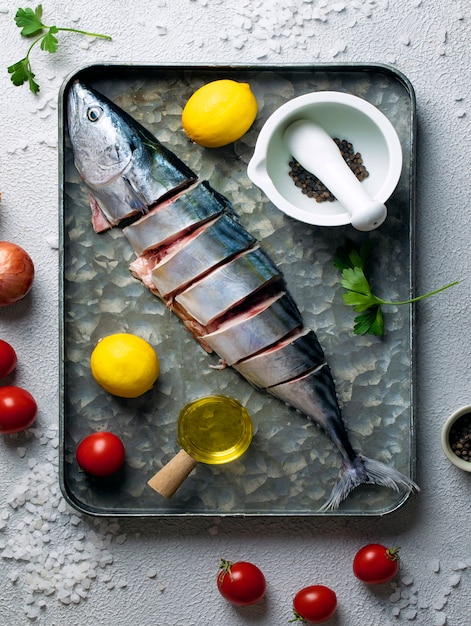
{"x": 440, "y": 619}
{"x": 435, "y": 566}
{"x": 454, "y": 580}
{"x": 410, "y": 615}
{"x": 439, "y": 603}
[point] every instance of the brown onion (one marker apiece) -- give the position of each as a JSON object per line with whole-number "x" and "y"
{"x": 16, "y": 273}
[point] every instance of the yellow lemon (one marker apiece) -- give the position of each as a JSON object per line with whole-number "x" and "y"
{"x": 124, "y": 365}
{"x": 219, "y": 112}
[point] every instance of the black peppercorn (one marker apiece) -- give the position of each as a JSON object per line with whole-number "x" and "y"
{"x": 312, "y": 187}
{"x": 460, "y": 437}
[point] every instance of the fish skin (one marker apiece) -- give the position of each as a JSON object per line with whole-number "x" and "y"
{"x": 311, "y": 388}
{"x": 228, "y": 285}
{"x": 297, "y": 354}
{"x": 209, "y": 245}
{"x": 176, "y": 216}
{"x": 313, "y": 393}
{"x": 125, "y": 168}
{"x": 244, "y": 335}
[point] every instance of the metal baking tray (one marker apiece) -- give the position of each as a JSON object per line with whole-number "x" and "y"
{"x": 291, "y": 465}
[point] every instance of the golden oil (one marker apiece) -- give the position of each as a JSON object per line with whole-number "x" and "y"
{"x": 214, "y": 429}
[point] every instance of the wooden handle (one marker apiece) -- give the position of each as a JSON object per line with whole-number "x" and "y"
{"x": 171, "y": 476}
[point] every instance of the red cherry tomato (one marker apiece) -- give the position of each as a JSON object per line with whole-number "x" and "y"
{"x": 314, "y": 604}
{"x": 18, "y": 409}
{"x": 375, "y": 564}
{"x": 241, "y": 583}
{"x": 7, "y": 359}
{"x": 100, "y": 454}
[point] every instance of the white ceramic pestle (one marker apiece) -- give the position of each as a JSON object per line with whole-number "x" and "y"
{"x": 318, "y": 153}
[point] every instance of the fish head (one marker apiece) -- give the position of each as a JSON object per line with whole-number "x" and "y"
{"x": 102, "y": 142}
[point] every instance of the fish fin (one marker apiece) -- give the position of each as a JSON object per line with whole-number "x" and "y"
{"x": 364, "y": 470}
{"x": 99, "y": 220}
{"x": 221, "y": 365}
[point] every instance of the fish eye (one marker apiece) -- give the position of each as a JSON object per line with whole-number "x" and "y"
{"x": 94, "y": 113}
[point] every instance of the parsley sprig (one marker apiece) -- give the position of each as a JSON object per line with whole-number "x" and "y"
{"x": 30, "y": 22}
{"x": 352, "y": 260}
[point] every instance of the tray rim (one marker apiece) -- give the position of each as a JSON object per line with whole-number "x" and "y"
{"x": 134, "y": 68}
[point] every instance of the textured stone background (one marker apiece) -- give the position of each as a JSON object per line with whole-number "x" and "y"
{"x": 60, "y": 568}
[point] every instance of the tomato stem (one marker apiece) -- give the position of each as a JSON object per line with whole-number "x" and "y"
{"x": 393, "y": 554}
{"x": 225, "y": 567}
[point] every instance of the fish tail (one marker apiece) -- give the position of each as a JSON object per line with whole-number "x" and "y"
{"x": 363, "y": 470}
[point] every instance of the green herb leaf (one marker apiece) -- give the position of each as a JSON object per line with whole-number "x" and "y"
{"x": 351, "y": 260}
{"x": 354, "y": 279}
{"x": 49, "y": 42}
{"x": 359, "y": 301}
{"x": 371, "y": 322}
{"x": 30, "y": 21}
{"x": 31, "y": 25}
{"x": 21, "y": 73}
{"x": 350, "y": 255}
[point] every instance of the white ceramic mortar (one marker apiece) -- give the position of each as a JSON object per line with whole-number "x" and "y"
{"x": 340, "y": 115}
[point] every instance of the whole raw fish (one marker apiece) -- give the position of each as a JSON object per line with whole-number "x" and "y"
{"x": 192, "y": 252}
